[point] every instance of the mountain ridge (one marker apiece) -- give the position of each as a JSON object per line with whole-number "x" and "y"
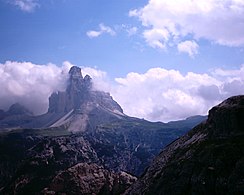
{"x": 207, "y": 160}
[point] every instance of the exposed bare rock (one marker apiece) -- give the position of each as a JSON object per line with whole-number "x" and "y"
{"x": 207, "y": 160}
{"x": 87, "y": 179}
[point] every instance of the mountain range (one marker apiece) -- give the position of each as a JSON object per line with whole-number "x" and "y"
{"x": 85, "y": 144}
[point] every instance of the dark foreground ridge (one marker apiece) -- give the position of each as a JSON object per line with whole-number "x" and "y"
{"x": 84, "y": 135}
{"x": 207, "y": 160}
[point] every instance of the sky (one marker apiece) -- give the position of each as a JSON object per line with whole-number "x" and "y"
{"x": 161, "y": 60}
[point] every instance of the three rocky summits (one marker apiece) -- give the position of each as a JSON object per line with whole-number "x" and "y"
{"x": 85, "y": 144}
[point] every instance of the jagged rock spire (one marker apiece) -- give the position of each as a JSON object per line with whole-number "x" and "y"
{"x": 75, "y": 72}
{"x": 76, "y": 81}
{"x": 83, "y": 105}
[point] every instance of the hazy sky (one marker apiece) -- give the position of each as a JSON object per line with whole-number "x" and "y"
{"x": 156, "y": 57}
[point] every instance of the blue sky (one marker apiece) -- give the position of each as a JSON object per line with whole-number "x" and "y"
{"x": 55, "y": 31}
{"x": 126, "y": 40}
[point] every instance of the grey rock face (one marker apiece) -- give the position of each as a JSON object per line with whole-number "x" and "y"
{"x": 79, "y": 93}
{"x": 207, "y": 160}
{"x": 83, "y": 105}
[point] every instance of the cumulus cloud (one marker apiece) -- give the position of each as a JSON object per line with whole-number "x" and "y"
{"x": 168, "y": 22}
{"x": 102, "y": 29}
{"x": 189, "y": 47}
{"x": 26, "y": 5}
{"x": 30, "y": 84}
{"x": 100, "y": 78}
{"x": 156, "y": 38}
{"x": 164, "y": 95}
{"x": 157, "y": 95}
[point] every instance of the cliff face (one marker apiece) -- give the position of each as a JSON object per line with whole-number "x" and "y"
{"x": 78, "y": 94}
{"x": 80, "y": 106}
{"x": 207, "y": 160}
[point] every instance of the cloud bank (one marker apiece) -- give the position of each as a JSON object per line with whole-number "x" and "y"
{"x": 164, "y": 95}
{"x": 30, "y": 84}
{"x": 167, "y": 23}
{"x": 157, "y": 95}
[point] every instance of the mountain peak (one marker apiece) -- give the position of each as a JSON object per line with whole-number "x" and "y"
{"x": 77, "y": 83}
{"x": 233, "y": 101}
{"x": 82, "y": 104}
{"x": 75, "y": 71}
{"x": 227, "y": 117}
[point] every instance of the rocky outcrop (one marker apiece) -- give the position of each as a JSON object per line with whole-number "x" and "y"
{"x": 80, "y": 106}
{"x": 207, "y": 160}
{"x": 79, "y": 93}
{"x": 29, "y": 162}
{"x": 86, "y": 179}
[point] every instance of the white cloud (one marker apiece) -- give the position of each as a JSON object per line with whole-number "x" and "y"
{"x": 156, "y": 37}
{"x": 190, "y": 47}
{"x": 221, "y": 22}
{"x": 102, "y": 29}
{"x": 157, "y": 95}
{"x": 26, "y": 5}
{"x": 106, "y": 29}
{"x": 164, "y": 95}
{"x": 100, "y": 78}
{"x": 132, "y": 31}
{"x": 127, "y": 28}
{"x": 92, "y": 33}
{"x": 30, "y": 84}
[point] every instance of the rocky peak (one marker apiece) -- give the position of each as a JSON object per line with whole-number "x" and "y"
{"x": 227, "y": 117}
{"x": 18, "y": 109}
{"x": 75, "y": 72}
{"x": 80, "y": 97}
{"x": 87, "y": 82}
{"x": 77, "y": 83}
